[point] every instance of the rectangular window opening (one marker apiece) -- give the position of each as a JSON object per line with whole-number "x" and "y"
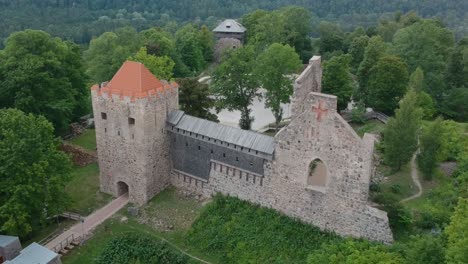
{"x": 103, "y": 116}
{"x": 131, "y": 121}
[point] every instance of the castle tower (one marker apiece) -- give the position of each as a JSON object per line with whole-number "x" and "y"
{"x": 133, "y": 148}
{"x": 230, "y": 34}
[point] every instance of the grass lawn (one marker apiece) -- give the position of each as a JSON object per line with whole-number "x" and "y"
{"x": 84, "y": 190}
{"x": 399, "y": 183}
{"x": 87, "y": 140}
{"x": 370, "y": 126}
{"x": 168, "y": 216}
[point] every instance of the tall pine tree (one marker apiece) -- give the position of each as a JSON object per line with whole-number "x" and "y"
{"x": 400, "y": 134}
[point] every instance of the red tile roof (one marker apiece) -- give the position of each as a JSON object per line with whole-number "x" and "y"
{"x": 134, "y": 80}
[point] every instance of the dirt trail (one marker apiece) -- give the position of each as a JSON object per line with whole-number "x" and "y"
{"x": 415, "y": 177}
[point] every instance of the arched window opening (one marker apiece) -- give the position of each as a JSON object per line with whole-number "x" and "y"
{"x": 317, "y": 175}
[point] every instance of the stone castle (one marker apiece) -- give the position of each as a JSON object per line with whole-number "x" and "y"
{"x": 316, "y": 169}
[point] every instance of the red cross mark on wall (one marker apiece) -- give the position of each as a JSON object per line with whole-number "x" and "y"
{"x": 319, "y": 110}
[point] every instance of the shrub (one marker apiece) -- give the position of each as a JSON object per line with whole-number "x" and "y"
{"x": 395, "y": 188}
{"x": 399, "y": 217}
{"x": 139, "y": 248}
{"x": 353, "y": 252}
{"x": 422, "y": 249}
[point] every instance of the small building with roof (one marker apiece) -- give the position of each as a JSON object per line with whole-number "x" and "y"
{"x": 36, "y": 254}
{"x": 10, "y": 247}
{"x": 230, "y": 28}
{"x": 230, "y": 34}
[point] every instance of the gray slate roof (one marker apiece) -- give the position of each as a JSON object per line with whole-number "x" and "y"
{"x": 230, "y": 25}
{"x": 244, "y": 138}
{"x": 7, "y": 240}
{"x": 34, "y": 253}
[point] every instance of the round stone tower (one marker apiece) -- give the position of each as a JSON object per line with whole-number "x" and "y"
{"x": 133, "y": 148}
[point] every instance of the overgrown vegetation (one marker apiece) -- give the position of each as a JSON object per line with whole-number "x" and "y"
{"x": 242, "y": 233}
{"x": 139, "y": 248}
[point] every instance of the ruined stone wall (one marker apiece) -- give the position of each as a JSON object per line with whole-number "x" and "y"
{"x": 136, "y": 154}
{"x": 309, "y": 81}
{"x": 316, "y": 131}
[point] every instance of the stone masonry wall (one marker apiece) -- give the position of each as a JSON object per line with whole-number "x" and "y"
{"x": 316, "y": 131}
{"x": 136, "y": 154}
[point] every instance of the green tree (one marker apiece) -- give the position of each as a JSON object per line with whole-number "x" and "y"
{"x": 388, "y": 82}
{"x": 161, "y": 67}
{"x": 430, "y": 146}
{"x": 43, "y": 75}
{"x": 426, "y": 44}
{"x": 189, "y": 47}
{"x": 400, "y": 134}
{"x": 425, "y": 101}
{"x": 424, "y": 249}
{"x": 107, "y": 52}
{"x": 33, "y": 173}
{"x": 195, "y": 100}
{"x": 270, "y": 28}
{"x": 374, "y": 51}
{"x": 457, "y": 234}
{"x": 206, "y": 39}
{"x": 457, "y": 68}
{"x": 454, "y": 104}
{"x": 235, "y": 84}
{"x": 357, "y": 50}
{"x": 353, "y": 252}
{"x": 337, "y": 79}
{"x": 158, "y": 42}
{"x": 273, "y": 70}
{"x": 161, "y": 43}
{"x": 331, "y": 37}
{"x": 297, "y": 21}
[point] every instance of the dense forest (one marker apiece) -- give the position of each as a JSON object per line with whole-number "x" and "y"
{"x": 81, "y": 20}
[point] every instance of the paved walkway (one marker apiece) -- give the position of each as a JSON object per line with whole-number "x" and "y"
{"x": 415, "y": 177}
{"x": 91, "y": 221}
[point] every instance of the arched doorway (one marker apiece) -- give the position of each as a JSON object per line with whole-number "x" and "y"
{"x": 317, "y": 175}
{"x": 122, "y": 188}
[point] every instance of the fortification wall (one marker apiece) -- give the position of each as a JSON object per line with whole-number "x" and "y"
{"x": 316, "y": 132}
{"x": 193, "y": 155}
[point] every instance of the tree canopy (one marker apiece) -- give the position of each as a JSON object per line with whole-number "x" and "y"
{"x": 273, "y": 70}
{"x": 43, "y": 75}
{"x": 388, "y": 82}
{"x": 235, "y": 85}
{"x": 337, "y": 79}
{"x": 161, "y": 67}
{"x": 400, "y": 134}
{"x": 33, "y": 172}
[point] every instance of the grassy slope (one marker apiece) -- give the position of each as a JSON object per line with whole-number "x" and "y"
{"x": 86, "y": 140}
{"x": 401, "y": 178}
{"x": 168, "y": 209}
{"x": 371, "y": 126}
{"x": 84, "y": 190}
{"x": 246, "y": 233}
